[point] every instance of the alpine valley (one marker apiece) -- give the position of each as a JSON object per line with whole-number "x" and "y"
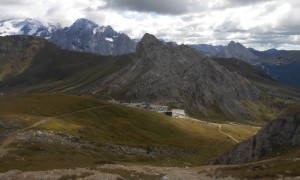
{"x": 87, "y": 102}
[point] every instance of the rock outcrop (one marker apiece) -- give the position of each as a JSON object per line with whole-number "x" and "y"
{"x": 281, "y": 134}
{"x": 182, "y": 77}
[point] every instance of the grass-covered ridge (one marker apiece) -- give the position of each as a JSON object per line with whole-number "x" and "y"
{"x": 108, "y": 124}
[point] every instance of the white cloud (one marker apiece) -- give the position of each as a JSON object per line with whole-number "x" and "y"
{"x": 259, "y": 23}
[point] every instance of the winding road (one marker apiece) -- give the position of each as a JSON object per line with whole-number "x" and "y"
{"x": 11, "y": 138}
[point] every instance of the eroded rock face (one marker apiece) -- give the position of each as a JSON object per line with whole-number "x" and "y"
{"x": 181, "y": 76}
{"x": 279, "y": 134}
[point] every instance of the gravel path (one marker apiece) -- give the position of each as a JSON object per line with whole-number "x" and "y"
{"x": 220, "y": 126}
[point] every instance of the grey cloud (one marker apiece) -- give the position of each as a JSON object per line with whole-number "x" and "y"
{"x": 229, "y": 25}
{"x": 190, "y": 21}
{"x": 51, "y": 11}
{"x": 237, "y": 3}
{"x": 157, "y": 6}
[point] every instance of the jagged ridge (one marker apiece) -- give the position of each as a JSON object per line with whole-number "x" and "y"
{"x": 180, "y": 76}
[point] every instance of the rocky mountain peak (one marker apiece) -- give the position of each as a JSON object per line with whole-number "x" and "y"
{"x": 108, "y": 31}
{"x": 82, "y": 22}
{"x": 86, "y": 36}
{"x": 149, "y": 39}
{"x": 147, "y": 43}
{"x": 233, "y": 44}
{"x": 238, "y": 51}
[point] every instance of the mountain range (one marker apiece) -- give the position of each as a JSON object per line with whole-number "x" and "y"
{"x": 281, "y": 65}
{"x": 156, "y": 73}
{"x": 86, "y": 36}
{"x": 83, "y": 35}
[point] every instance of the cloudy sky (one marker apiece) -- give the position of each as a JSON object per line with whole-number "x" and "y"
{"x": 261, "y": 24}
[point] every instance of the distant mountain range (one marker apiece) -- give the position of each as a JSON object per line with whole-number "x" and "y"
{"x": 86, "y": 36}
{"x": 83, "y": 35}
{"x": 284, "y": 66}
{"x": 250, "y": 55}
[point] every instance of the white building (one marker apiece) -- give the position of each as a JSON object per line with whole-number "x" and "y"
{"x": 178, "y": 113}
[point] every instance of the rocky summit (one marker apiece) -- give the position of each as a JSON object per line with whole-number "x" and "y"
{"x": 281, "y": 134}
{"x": 238, "y": 51}
{"x": 182, "y": 77}
{"x": 86, "y": 36}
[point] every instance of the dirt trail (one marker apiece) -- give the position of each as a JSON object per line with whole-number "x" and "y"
{"x": 220, "y": 126}
{"x": 4, "y": 147}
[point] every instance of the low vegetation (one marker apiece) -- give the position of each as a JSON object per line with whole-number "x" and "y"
{"x": 158, "y": 139}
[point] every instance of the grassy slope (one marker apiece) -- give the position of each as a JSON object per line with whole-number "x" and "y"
{"x": 111, "y": 124}
{"x": 15, "y": 58}
{"x": 56, "y": 70}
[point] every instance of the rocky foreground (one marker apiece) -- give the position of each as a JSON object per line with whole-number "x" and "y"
{"x": 111, "y": 172}
{"x": 122, "y": 172}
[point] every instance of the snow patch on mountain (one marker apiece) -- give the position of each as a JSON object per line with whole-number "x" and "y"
{"x": 27, "y": 27}
{"x": 109, "y": 39}
{"x": 7, "y": 28}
